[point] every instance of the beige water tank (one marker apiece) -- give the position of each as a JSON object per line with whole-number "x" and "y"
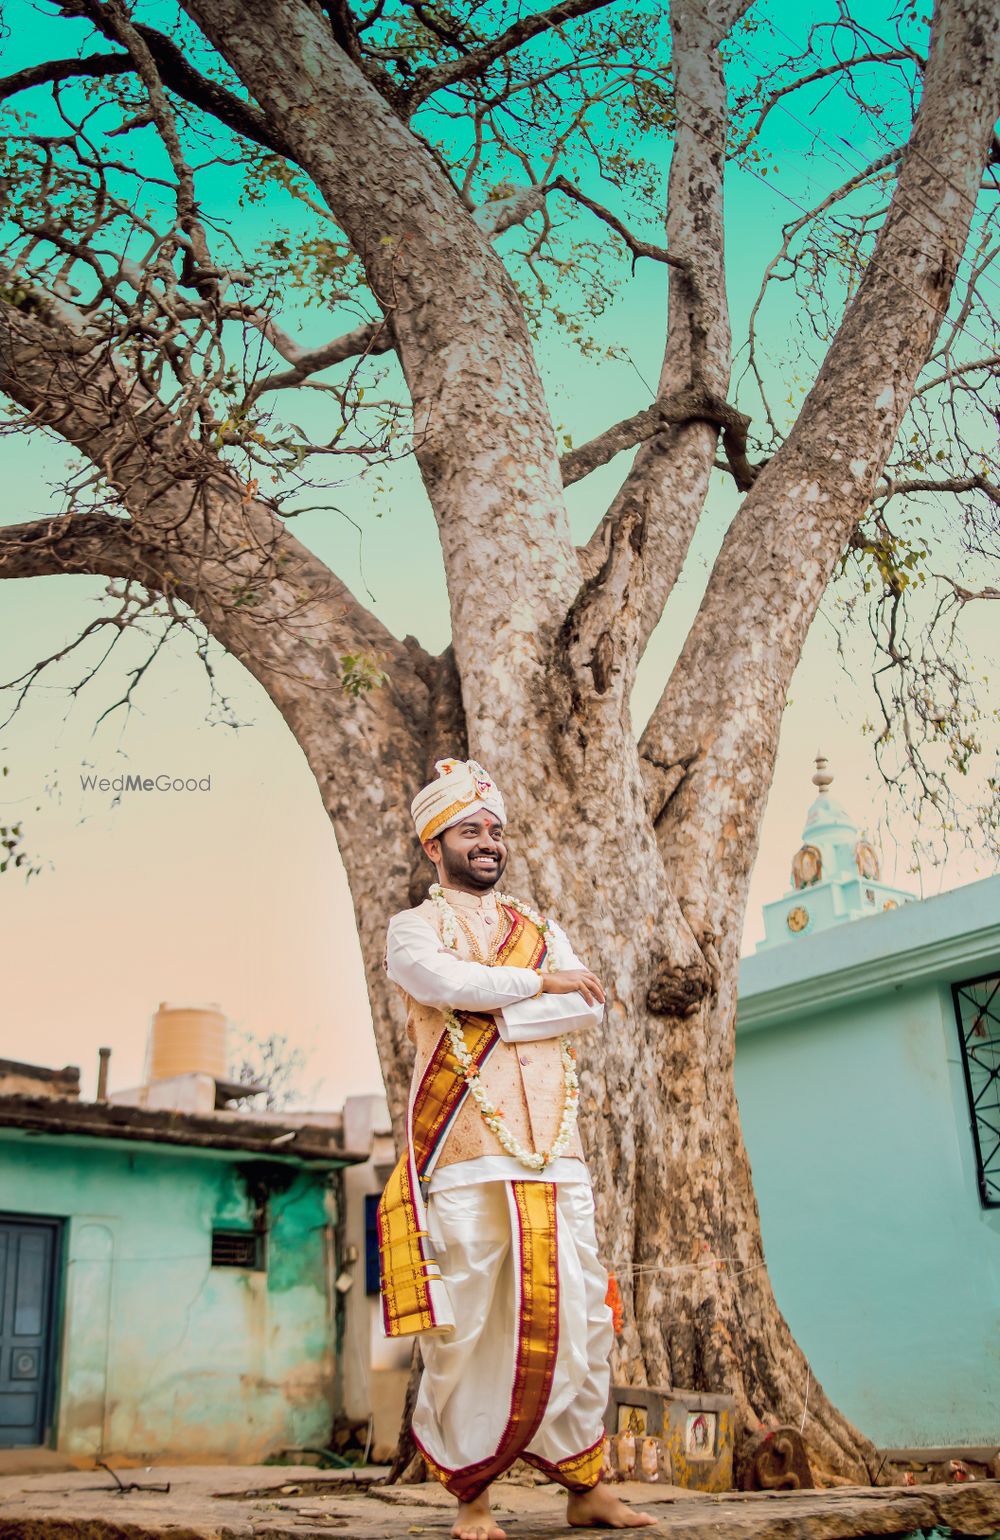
{"x": 186, "y": 1040}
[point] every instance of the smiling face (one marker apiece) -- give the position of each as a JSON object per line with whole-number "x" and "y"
{"x": 471, "y": 855}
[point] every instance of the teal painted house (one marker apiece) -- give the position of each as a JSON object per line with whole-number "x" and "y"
{"x": 166, "y": 1279}
{"x": 868, "y": 1078}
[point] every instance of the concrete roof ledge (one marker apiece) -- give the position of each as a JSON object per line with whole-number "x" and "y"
{"x": 280, "y": 1136}
{"x": 956, "y": 935}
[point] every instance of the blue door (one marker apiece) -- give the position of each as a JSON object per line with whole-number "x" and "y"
{"x": 27, "y": 1282}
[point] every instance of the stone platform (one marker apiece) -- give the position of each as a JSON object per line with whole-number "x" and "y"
{"x": 275, "y": 1503}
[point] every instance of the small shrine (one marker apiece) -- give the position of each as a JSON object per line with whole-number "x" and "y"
{"x": 835, "y": 873}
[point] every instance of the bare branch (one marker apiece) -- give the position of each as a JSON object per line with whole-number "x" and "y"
{"x": 958, "y": 370}
{"x": 502, "y": 214}
{"x": 888, "y": 56}
{"x": 638, "y": 248}
{"x": 363, "y": 342}
{"x": 95, "y": 66}
{"x": 94, "y": 543}
{"x": 695, "y": 405}
{"x": 426, "y": 82}
{"x": 720, "y": 710}
{"x": 663, "y": 496}
{"x": 789, "y": 233}
{"x": 967, "y": 595}
{"x": 222, "y": 548}
{"x": 177, "y": 74}
{"x": 942, "y": 484}
{"x": 579, "y": 462}
{"x": 166, "y": 124}
{"x": 374, "y": 337}
{"x": 428, "y": 265}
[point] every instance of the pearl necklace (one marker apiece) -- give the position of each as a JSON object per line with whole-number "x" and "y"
{"x": 491, "y": 1114}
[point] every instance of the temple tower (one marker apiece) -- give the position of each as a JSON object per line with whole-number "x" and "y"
{"x": 835, "y": 873}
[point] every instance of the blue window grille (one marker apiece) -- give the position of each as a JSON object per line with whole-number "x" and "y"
{"x": 977, "y": 1012}
{"x": 371, "y": 1244}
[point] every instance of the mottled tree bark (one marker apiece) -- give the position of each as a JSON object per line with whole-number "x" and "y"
{"x": 643, "y": 851}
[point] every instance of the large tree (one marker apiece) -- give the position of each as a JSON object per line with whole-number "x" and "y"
{"x": 469, "y": 171}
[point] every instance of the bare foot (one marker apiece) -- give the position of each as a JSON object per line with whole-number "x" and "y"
{"x": 473, "y": 1521}
{"x": 600, "y": 1507}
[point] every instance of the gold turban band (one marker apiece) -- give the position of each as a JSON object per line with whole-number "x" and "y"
{"x": 461, "y": 789}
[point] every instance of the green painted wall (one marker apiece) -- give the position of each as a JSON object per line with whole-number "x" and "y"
{"x": 856, "y": 1119}
{"x": 162, "y": 1356}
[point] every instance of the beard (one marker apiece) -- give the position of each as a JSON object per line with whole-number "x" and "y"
{"x": 459, "y": 869}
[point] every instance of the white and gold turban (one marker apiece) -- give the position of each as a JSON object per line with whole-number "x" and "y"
{"x": 462, "y": 788}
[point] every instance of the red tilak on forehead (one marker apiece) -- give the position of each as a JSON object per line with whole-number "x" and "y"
{"x": 479, "y": 822}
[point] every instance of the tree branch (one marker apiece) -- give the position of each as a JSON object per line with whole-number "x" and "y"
{"x": 374, "y": 338}
{"x": 887, "y": 57}
{"x": 93, "y": 65}
{"x": 967, "y": 595}
{"x": 218, "y": 545}
{"x": 695, "y": 405}
{"x": 637, "y": 247}
{"x": 276, "y": 607}
{"x": 955, "y": 371}
{"x": 364, "y": 341}
{"x": 944, "y": 484}
{"x": 427, "y": 81}
{"x": 176, "y": 73}
{"x": 720, "y": 712}
{"x": 83, "y": 543}
{"x": 457, "y": 326}
{"x": 663, "y": 495}
{"x": 789, "y": 232}
{"x": 579, "y": 462}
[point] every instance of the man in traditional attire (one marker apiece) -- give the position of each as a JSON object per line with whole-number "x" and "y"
{"x": 486, "y": 1227}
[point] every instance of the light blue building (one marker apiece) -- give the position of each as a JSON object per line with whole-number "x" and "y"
{"x": 868, "y": 1077}
{"x": 166, "y": 1278}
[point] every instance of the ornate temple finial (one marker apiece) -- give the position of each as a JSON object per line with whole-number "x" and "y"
{"x": 823, "y": 777}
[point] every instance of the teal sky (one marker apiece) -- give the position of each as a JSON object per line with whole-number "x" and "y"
{"x": 237, "y": 895}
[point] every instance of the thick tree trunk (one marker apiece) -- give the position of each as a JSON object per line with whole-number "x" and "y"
{"x": 677, "y": 1219}
{"x": 704, "y": 1307}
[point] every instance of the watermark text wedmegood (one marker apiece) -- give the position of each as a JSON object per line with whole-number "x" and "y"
{"x": 145, "y": 783}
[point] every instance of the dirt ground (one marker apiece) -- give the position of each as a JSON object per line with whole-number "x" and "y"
{"x": 275, "y": 1503}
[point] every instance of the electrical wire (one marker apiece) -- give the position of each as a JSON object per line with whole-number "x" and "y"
{"x": 872, "y": 261}
{"x": 859, "y": 165}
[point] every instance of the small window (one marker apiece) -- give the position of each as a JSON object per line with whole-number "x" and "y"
{"x": 371, "y": 1243}
{"x": 238, "y": 1248}
{"x": 977, "y": 1009}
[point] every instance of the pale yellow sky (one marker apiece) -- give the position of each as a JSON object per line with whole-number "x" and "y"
{"x": 236, "y": 895}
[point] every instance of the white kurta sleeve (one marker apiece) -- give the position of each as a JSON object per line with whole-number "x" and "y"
{"x": 417, "y": 960}
{"x": 531, "y": 1021}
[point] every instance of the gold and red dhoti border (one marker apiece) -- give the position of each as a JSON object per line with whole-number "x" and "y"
{"x": 414, "y": 1296}
{"x": 526, "y": 1372}
{"x": 578, "y": 1473}
{"x": 536, "y": 1273}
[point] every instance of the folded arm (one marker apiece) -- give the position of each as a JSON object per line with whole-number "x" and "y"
{"x": 532, "y": 1021}
{"x": 419, "y": 962}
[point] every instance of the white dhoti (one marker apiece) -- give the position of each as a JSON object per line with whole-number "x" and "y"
{"x": 525, "y": 1373}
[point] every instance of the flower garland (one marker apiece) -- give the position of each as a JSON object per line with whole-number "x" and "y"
{"x": 491, "y": 1114}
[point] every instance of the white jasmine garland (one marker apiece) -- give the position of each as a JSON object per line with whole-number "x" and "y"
{"x": 449, "y": 925}
{"x": 491, "y": 1114}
